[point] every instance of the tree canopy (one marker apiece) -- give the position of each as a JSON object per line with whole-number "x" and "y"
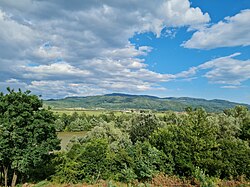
{"x": 27, "y": 134}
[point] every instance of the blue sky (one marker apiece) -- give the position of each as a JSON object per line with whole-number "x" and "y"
{"x": 196, "y": 48}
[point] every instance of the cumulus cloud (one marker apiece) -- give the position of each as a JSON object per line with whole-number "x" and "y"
{"x": 224, "y": 70}
{"x": 60, "y": 89}
{"x": 55, "y": 70}
{"x": 232, "y": 31}
{"x": 83, "y": 47}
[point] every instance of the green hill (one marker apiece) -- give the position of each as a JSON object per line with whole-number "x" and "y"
{"x": 117, "y": 101}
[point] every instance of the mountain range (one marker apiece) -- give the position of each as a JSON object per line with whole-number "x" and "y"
{"x": 118, "y": 101}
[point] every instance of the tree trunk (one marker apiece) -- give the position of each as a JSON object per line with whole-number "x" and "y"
{"x": 5, "y": 170}
{"x": 14, "y": 179}
{"x": 1, "y": 176}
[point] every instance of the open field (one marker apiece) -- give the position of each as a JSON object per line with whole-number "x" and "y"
{"x": 87, "y": 112}
{"x": 70, "y": 111}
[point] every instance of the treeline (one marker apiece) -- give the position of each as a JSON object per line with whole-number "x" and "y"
{"x": 138, "y": 146}
{"x": 77, "y": 122}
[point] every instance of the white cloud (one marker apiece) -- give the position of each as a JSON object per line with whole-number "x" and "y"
{"x": 179, "y": 12}
{"x": 15, "y": 38}
{"x": 232, "y": 31}
{"x": 12, "y": 81}
{"x": 59, "y": 89}
{"x": 49, "y": 51}
{"x": 184, "y": 74}
{"x": 86, "y": 43}
{"x": 224, "y": 70}
{"x": 55, "y": 70}
{"x": 103, "y": 73}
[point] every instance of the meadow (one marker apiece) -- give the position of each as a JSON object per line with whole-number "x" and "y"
{"x": 70, "y": 111}
{"x": 79, "y": 111}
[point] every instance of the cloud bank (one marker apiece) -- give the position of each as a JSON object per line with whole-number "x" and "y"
{"x": 59, "y": 48}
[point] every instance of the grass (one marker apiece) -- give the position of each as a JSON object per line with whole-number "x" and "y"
{"x": 70, "y": 111}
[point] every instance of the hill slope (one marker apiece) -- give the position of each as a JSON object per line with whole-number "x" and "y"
{"x": 123, "y": 101}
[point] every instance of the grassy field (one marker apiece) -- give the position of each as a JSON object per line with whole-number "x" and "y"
{"x": 70, "y": 111}
{"x": 81, "y": 111}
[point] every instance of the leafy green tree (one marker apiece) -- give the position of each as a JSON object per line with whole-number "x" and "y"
{"x": 173, "y": 118}
{"x": 245, "y": 128}
{"x": 59, "y": 124}
{"x": 27, "y": 136}
{"x": 68, "y": 170}
{"x": 140, "y": 161}
{"x": 190, "y": 145}
{"x": 78, "y": 125}
{"x": 114, "y": 135}
{"x": 74, "y": 116}
{"x": 108, "y": 117}
{"x": 85, "y": 161}
{"x": 148, "y": 161}
{"x": 179, "y": 143}
{"x": 208, "y": 141}
{"x": 234, "y": 155}
{"x": 241, "y": 115}
{"x": 142, "y": 125}
{"x": 66, "y": 119}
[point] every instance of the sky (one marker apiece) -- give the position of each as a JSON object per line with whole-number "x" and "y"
{"x": 177, "y": 48}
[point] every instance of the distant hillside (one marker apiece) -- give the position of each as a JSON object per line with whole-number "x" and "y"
{"x": 117, "y": 101}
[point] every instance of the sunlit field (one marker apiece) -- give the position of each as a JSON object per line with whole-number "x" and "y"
{"x": 70, "y": 111}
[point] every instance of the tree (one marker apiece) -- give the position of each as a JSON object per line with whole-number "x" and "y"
{"x": 207, "y": 141}
{"x": 114, "y": 135}
{"x": 142, "y": 126}
{"x": 78, "y": 125}
{"x": 241, "y": 114}
{"x": 85, "y": 161}
{"x": 27, "y": 134}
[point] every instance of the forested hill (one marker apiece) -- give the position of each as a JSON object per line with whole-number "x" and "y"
{"x": 117, "y": 101}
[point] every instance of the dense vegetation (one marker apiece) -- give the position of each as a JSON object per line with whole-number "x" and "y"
{"x": 194, "y": 146}
{"x": 138, "y": 146}
{"x": 124, "y": 102}
{"x": 27, "y": 136}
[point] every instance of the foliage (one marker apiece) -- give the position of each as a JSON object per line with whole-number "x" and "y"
{"x": 178, "y": 144}
{"x": 203, "y": 179}
{"x": 137, "y": 148}
{"x": 202, "y": 142}
{"x": 83, "y": 162}
{"x": 142, "y": 125}
{"x": 27, "y": 135}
